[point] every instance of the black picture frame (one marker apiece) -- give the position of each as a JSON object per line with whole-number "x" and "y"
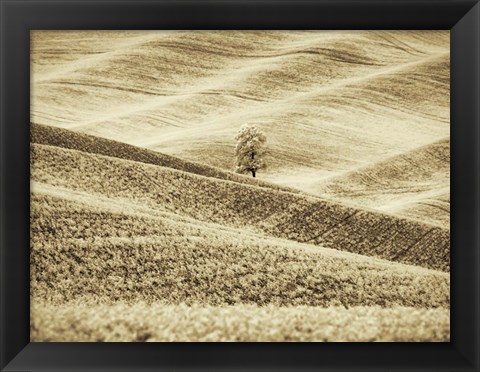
{"x": 18, "y": 17}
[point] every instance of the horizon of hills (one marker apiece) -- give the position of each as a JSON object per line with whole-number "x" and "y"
{"x": 329, "y": 102}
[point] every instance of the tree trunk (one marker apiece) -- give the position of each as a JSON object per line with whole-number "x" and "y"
{"x": 253, "y": 170}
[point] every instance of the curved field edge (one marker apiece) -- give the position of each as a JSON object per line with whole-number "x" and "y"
{"x": 151, "y": 258}
{"x": 79, "y": 322}
{"x": 434, "y": 209}
{"x": 401, "y": 182}
{"x": 67, "y": 139}
{"x": 276, "y": 213}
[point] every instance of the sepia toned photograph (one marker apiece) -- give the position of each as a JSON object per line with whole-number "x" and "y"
{"x": 240, "y": 186}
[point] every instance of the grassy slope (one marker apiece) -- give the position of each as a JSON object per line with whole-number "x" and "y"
{"x": 77, "y": 322}
{"x": 277, "y": 213}
{"x": 408, "y": 181}
{"x": 205, "y": 256}
{"x": 142, "y": 256}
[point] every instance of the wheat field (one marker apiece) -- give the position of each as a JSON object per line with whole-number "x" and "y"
{"x": 142, "y": 231}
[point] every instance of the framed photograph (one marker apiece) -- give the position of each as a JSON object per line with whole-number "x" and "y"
{"x": 239, "y": 185}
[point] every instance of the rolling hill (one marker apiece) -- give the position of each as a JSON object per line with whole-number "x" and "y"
{"x": 176, "y": 323}
{"x": 108, "y": 231}
{"x": 415, "y": 184}
{"x": 287, "y": 215}
{"x": 320, "y": 97}
{"x": 77, "y": 141}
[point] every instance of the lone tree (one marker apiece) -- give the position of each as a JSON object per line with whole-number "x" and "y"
{"x": 249, "y": 150}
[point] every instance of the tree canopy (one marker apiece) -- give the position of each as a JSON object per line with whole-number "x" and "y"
{"x": 249, "y": 150}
